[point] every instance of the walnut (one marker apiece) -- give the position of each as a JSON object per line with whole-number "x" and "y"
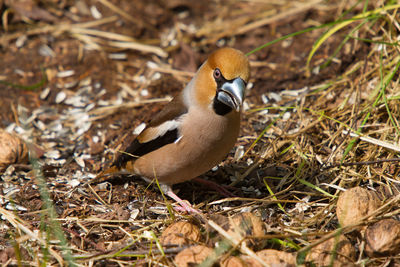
{"x": 383, "y": 238}
{"x": 180, "y": 233}
{"x": 246, "y": 224}
{"x": 338, "y": 249}
{"x": 354, "y": 204}
{"x": 277, "y": 258}
{"x": 192, "y": 255}
{"x": 12, "y": 150}
{"x": 234, "y": 262}
{"x": 271, "y": 257}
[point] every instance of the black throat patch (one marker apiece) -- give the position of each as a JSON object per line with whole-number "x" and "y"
{"x": 219, "y": 107}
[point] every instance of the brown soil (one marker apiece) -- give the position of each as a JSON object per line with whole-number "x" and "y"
{"x": 276, "y": 68}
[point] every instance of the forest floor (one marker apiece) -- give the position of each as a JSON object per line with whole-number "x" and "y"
{"x": 77, "y": 79}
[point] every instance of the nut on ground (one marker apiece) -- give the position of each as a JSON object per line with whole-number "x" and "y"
{"x": 12, "y": 150}
{"x": 246, "y": 224}
{"x": 192, "y": 255}
{"x": 180, "y": 233}
{"x": 337, "y": 251}
{"x": 354, "y": 204}
{"x": 383, "y": 238}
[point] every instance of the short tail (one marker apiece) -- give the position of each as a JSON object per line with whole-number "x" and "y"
{"x": 105, "y": 175}
{"x": 108, "y": 174}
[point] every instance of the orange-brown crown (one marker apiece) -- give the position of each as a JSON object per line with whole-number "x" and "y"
{"x": 232, "y": 64}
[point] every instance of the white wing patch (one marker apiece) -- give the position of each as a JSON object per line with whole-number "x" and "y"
{"x": 139, "y": 128}
{"x": 167, "y": 126}
{"x": 179, "y": 138}
{"x": 161, "y": 129}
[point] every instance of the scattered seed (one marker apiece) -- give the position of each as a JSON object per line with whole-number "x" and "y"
{"x": 286, "y": 116}
{"x": 118, "y": 56}
{"x": 239, "y": 153}
{"x": 52, "y": 154}
{"x": 21, "y": 41}
{"x": 275, "y": 96}
{"x": 61, "y": 96}
{"x": 74, "y": 182}
{"x": 46, "y": 51}
{"x": 144, "y": 92}
{"x": 65, "y": 73}
{"x": 95, "y": 12}
{"x": 151, "y": 65}
{"x": 264, "y": 99}
{"x": 45, "y": 93}
{"x": 80, "y": 162}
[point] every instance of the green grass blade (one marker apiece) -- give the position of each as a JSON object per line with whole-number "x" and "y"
{"x": 340, "y": 46}
{"x": 288, "y": 243}
{"x": 54, "y": 225}
{"x": 315, "y": 188}
{"x": 298, "y": 33}
{"x": 35, "y": 86}
{"x": 341, "y": 24}
{"x": 263, "y": 132}
{"x": 273, "y": 196}
{"x": 385, "y": 82}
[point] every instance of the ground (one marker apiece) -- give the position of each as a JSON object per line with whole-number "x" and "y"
{"x": 76, "y": 93}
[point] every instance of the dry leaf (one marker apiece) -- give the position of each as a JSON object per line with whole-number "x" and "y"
{"x": 29, "y": 9}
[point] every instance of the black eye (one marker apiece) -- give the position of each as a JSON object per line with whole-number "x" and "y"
{"x": 217, "y": 74}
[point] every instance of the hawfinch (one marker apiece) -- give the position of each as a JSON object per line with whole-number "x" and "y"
{"x": 196, "y": 130}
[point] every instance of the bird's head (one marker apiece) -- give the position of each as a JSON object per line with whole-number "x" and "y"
{"x": 221, "y": 81}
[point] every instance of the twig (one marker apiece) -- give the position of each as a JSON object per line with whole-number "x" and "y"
{"x": 374, "y": 141}
{"x": 236, "y": 242}
{"x": 279, "y": 16}
{"x": 18, "y": 223}
{"x": 350, "y": 228}
{"x": 108, "y": 110}
{"x": 60, "y": 28}
{"x": 126, "y": 15}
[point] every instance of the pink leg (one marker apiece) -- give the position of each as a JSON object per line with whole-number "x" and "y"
{"x": 219, "y": 188}
{"x": 184, "y": 206}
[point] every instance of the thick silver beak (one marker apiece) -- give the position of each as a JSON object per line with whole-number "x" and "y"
{"x": 232, "y": 93}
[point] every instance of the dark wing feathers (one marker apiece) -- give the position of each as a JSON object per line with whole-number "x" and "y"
{"x": 171, "y": 111}
{"x": 137, "y": 149}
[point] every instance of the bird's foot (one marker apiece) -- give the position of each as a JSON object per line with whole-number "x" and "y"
{"x": 184, "y": 205}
